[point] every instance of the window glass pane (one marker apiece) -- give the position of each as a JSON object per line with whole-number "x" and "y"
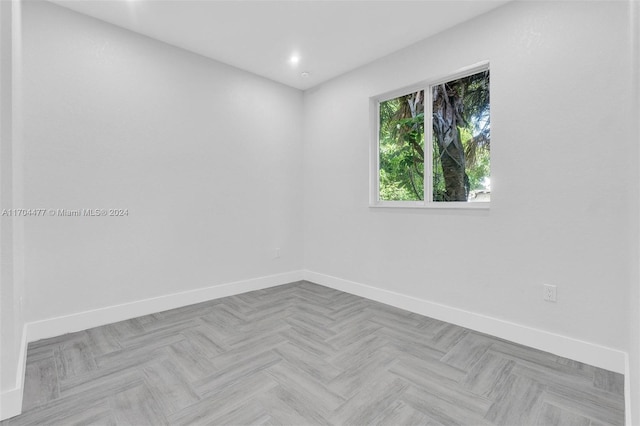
{"x": 401, "y": 146}
{"x": 461, "y": 139}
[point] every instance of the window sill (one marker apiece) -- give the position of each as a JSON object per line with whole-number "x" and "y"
{"x": 478, "y": 205}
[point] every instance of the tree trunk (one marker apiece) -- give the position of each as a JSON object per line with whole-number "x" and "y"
{"x": 451, "y": 159}
{"x": 446, "y": 116}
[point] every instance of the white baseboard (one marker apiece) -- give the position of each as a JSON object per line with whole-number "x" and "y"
{"x": 578, "y": 350}
{"x": 589, "y": 353}
{"x": 94, "y": 318}
{"x": 11, "y": 400}
{"x": 627, "y": 393}
{"x": 10, "y": 403}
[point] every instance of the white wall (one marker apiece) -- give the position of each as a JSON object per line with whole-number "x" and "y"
{"x": 561, "y": 163}
{"x": 634, "y": 299}
{"x": 11, "y": 277}
{"x": 207, "y": 160}
{"x": 205, "y": 157}
{"x": 8, "y": 355}
{"x": 7, "y": 331}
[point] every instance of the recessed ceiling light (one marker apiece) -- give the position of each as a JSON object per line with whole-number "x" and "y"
{"x": 294, "y": 59}
{"x": 305, "y": 74}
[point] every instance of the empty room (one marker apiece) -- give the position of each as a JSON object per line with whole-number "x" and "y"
{"x": 318, "y": 212}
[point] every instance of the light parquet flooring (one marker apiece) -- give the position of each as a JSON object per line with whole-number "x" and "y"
{"x": 303, "y": 354}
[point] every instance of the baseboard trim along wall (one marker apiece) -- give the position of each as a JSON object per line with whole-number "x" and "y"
{"x": 628, "y": 412}
{"x": 578, "y": 350}
{"x": 83, "y": 320}
{"x": 11, "y": 403}
{"x": 11, "y": 400}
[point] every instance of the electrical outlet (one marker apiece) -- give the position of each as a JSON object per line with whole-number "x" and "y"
{"x": 276, "y": 253}
{"x": 549, "y": 293}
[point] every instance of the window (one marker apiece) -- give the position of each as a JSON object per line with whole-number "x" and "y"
{"x": 447, "y": 123}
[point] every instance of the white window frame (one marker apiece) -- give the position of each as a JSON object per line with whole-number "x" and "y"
{"x": 374, "y": 169}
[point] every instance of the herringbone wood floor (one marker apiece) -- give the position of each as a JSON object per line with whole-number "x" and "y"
{"x": 305, "y": 354}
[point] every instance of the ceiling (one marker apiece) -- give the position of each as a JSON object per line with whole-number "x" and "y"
{"x": 260, "y": 36}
